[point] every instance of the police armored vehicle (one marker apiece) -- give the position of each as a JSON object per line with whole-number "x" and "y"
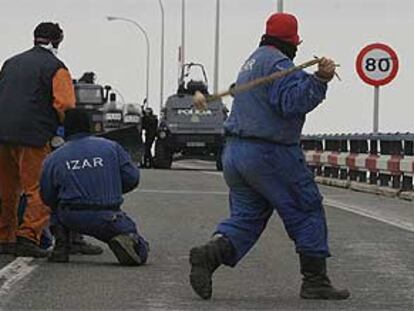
{"x": 107, "y": 118}
{"x": 185, "y": 131}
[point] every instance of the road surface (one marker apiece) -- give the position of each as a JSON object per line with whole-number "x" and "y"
{"x": 371, "y": 238}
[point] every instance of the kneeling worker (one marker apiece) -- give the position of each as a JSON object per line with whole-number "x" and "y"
{"x": 83, "y": 183}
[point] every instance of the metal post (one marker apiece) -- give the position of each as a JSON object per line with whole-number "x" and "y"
{"x": 376, "y": 109}
{"x": 217, "y": 47}
{"x": 162, "y": 56}
{"x": 280, "y": 6}
{"x": 142, "y": 30}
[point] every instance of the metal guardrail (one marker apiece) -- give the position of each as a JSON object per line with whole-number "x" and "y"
{"x": 384, "y": 160}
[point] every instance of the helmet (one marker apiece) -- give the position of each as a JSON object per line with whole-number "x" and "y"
{"x": 148, "y": 111}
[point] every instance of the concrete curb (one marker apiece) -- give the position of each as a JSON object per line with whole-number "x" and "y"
{"x": 407, "y": 195}
{"x": 364, "y": 187}
{"x": 332, "y": 182}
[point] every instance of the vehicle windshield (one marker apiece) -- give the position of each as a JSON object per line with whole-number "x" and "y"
{"x": 89, "y": 95}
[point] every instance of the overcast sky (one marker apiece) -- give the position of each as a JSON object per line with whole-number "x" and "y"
{"x": 336, "y": 28}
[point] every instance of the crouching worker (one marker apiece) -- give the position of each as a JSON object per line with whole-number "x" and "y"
{"x": 83, "y": 182}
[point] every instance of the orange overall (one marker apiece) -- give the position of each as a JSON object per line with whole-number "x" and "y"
{"x": 20, "y": 170}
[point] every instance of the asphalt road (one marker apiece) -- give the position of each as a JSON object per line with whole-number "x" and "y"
{"x": 177, "y": 209}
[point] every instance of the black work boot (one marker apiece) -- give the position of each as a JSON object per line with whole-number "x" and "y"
{"x": 125, "y": 249}
{"x": 7, "y": 248}
{"x": 28, "y": 248}
{"x": 315, "y": 282}
{"x": 205, "y": 260}
{"x": 60, "y": 252}
{"x": 79, "y": 246}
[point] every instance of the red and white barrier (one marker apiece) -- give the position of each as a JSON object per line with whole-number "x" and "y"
{"x": 407, "y": 165}
{"x": 388, "y": 164}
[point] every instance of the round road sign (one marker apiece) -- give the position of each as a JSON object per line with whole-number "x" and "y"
{"x": 377, "y": 64}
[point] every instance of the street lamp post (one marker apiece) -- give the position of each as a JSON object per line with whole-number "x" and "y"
{"x": 182, "y": 32}
{"x": 114, "y": 18}
{"x": 162, "y": 56}
{"x": 217, "y": 47}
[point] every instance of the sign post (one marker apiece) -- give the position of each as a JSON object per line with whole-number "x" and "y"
{"x": 377, "y": 65}
{"x": 376, "y": 109}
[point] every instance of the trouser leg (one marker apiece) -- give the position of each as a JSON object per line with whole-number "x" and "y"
{"x": 299, "y": 204}
{"x": 46, "y": 240}
{"x": 234, "y": 237}
{"x": 36, "y": 215}
{"x": 249, "y": 210}
{"x": 108, "y": 226}
{"x": 149, "y": 141}
{"x": 61, "y": 248}
{"x": 289, "y": 186}
{"x": 249, "y": 214}
{"x": 10, "y": 190}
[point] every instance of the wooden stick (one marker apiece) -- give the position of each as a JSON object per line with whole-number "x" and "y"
{"x": 263, "y": 80}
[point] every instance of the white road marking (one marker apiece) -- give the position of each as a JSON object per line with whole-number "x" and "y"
{"x": 181, "y": 192}
{"x": 188, "y": 166}
{"x": 204, "y": 162}
{"x": 357, "y": 210}
{"x": 214, "y": 173}
{"x": 13, "y": 273}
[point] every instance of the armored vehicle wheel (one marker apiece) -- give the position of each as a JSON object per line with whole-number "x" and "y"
{"x": 163, "y": 156}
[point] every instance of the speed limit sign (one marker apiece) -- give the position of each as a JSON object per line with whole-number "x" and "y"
{"x": 377, "y": 64}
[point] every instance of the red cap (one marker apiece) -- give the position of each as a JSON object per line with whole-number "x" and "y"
{"x": 284, "y": 27}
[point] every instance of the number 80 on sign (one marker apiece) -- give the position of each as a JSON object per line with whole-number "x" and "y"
{"x": 377, "y": 64}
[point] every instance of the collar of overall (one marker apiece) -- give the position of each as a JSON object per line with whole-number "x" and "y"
{"x": 286, "y": 48}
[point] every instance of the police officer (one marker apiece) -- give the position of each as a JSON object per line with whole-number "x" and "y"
{"x": 150, "y": 125}
{"x": 35, "y": 90}
{"x": 83, "y": 182}
{"x": 265, "y": 168}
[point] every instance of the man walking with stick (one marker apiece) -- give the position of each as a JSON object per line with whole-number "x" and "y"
{"x": 265, "y": 168}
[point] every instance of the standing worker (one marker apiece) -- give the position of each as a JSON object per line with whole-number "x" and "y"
{"x": 35, "y": 90}
{"x": 83, "y": 182}
{"x": 265, "y": 169}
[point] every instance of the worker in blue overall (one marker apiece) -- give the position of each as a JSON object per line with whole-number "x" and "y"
{"x": 83, "y": 182}
{"x": 78, "y": 245}
{"x": 265, "y": 169}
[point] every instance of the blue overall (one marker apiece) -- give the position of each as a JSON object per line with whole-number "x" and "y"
{"x": 263, "y": 163}
{"x": 83, "y": 182}
{"x": 102, "y": 225}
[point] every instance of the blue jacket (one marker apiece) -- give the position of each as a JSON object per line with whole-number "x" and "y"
{"x": 87, "y": 170}
{"x": 276, "y": 111}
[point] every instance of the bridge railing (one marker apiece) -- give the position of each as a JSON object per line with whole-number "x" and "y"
{"x": 382, "y": 160}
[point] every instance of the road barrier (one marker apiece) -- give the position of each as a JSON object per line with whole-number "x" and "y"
{"x": 379, "y": 163}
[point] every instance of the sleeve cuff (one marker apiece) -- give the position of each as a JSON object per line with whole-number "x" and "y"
{"x": 322, "y": 80}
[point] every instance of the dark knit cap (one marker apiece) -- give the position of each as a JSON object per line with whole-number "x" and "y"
{"x": 76, "y": 121}
{"x": 48, "y": 32}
